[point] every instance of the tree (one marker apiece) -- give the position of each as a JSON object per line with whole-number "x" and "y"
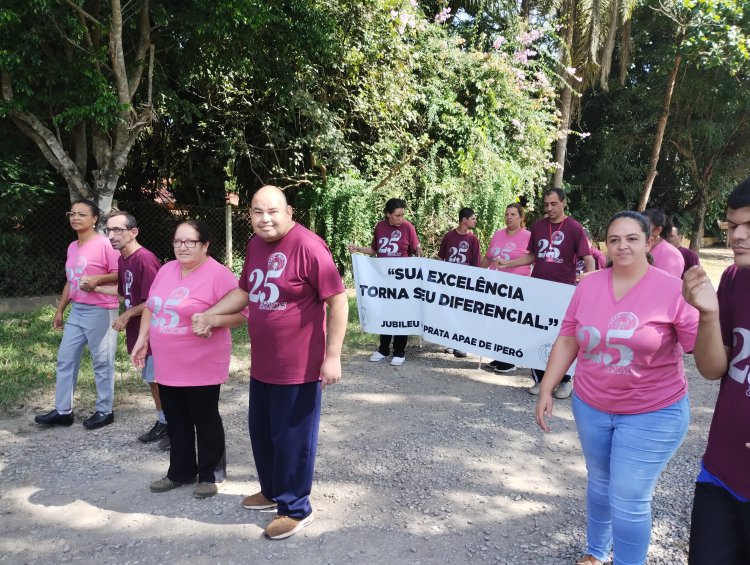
{"x": 73, "y": 81}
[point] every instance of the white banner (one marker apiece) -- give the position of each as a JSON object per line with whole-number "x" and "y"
{"x": 493, "y": 314}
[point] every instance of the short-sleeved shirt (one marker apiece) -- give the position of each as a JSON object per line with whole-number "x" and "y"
{"x": 287, "y": 282}
{"x": 95, "y": 257}
{"x": 135, "y": 275}
{"x": 182, "y": 358}
{"x": 690, "y": 257}
{"x": 460, "y": 248}
{"x": 391, "y": 241}
{"x": 556, "y": 248}
{"x": 509, "y": 247}
{"x": 630, "y": 350}
{"x": 726, "y": 456}
{"x": 668, "y": 258}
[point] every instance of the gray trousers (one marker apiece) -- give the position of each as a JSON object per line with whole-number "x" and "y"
{"x": 90, "y": 325}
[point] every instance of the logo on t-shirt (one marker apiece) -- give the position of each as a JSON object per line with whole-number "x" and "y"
{"x": 389, "y": 246}
{"x": 263, "y": 289}
{"x": 558, "y": 237}
{"x": 164, "y": 317}
{"x": 741, "y": 340}
{"x": 128, "y": 284}
{"x": 458, "y": 255}
{"x": 615, "y": 355}
{"x": 74, "y": 275}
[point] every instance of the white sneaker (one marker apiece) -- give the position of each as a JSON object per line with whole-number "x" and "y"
{"x": 398, "y": 361}
{"x": 564, "y": 390}
{"x": 377, "y": 357}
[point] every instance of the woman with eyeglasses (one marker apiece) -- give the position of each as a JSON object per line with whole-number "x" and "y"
{"x": 190, "y": 369}
{"x": 91, "y": 261}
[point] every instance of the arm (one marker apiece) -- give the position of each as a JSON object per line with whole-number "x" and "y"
{"x": 90, "y": 282}
{"x": 140, "y": 349}
{"x": 485, "y": 262}
{"x": 418, "y": 250}
{"x": 358, "y": 249}
{"x": 563, "y": 354}
{"x": 338, "y": 315}
{"x": 588, "y": 264}
{"x": 109, "y": 290}
{"x": 122, "y": 320}
{"x": 57, "y": 321}
{"x": 711, "y": 355}
{"x": 527, "y": 259}
{"x": 226, "y": 313}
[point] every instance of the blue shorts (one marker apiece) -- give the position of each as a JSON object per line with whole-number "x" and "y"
{"x": 147, "y": 374}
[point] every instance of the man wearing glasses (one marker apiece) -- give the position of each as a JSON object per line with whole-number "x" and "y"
{"x": 137, "y": 267}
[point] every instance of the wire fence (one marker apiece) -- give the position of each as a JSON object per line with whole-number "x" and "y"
{"x": 33, "y": 250}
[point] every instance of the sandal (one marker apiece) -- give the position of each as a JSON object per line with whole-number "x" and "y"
{"x": 589, "y": 560}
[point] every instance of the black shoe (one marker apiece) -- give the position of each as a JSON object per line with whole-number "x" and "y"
{"x": 504, "y": 367}
{"x": 98, "y": 420}
{"x": 493, "y": 364}
{"x": 54, "y": 418}
{"x": 459, "y": 354}
{"x": 165, "y": 444}
{"x": 157, "y": 432}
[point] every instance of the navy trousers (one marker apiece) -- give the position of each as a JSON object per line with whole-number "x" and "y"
{"x": 283, "y": 422}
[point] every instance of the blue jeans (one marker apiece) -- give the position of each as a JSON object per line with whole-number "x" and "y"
{"x": 625, "y": 454}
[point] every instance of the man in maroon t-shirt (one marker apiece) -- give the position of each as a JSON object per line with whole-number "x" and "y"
{"x": 460, "y": 245}
{"x": 720, "y": 527}
{"x": 691, "y": 257}
{"x": 288, "y": 280}
{"x": 556, "y": 241}
{"x": 136, "y": 268}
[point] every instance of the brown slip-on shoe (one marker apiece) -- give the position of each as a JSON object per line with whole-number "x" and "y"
{"x": 284, "y": 526}
{"x": 257, "y": 502}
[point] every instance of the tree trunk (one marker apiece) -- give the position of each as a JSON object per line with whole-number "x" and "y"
{"x": 566, "y": 105}
{"x": 660, "y": 129}
{"x": 699, "y": 221}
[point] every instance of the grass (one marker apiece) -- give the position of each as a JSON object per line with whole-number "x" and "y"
{"x": 28, "y": 354}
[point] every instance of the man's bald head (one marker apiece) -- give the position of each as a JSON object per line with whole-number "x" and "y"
{"x": 271, "y": 215}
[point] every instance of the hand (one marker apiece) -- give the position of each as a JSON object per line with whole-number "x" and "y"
{"x": 698, "y": 290}
{"x": 57, "y": 322}
{"x": 499, "y": 263}
{"x": 330, "y": 371}
{"x": 202, "y": 324}
{"x": 140, "y": 350}
{"x": 87, "y": 283}
{"x": 352, "y": 248}
{"x": 544, "y": 410}
{"x": 120, "y": 322}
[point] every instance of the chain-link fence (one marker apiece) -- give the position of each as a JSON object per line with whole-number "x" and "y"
{"x": 33, "y": 249}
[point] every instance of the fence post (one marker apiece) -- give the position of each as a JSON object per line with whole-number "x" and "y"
{"x": 228, "y": 228}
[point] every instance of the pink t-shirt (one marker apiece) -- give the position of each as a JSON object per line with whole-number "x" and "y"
{"x": 95, "y": 257}
{"x": 182, "y": 358}
{"x": 509, "y": 247}
{"x": 630, "y": 356}
{"x": 460, "y": 248}
{"x": 390, "y": 241}
{"x": 668, "y": 258}
{"x": 287, "y": 282}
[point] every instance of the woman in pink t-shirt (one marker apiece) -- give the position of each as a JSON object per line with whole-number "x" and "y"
{"x": 626, "y": 328}
{"x": 393, "y": 237}
{"x": 91, "y": 261}
{"x": 508, "y": 243}
{"x": 188, "y": 368}
{"x": 666, "y": 256}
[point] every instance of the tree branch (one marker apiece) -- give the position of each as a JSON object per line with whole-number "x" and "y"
{"x": 144, "y": 42}
{"x": 82, "y": 12}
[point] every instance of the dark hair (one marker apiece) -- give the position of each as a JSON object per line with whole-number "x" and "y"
{"x": 465, "y": 213}
{"x": 91, "y": 204}
{"x": 740, "y": 195}
{"x": 519, "y": 208}
{"x": 559, "y": 191}
{"x": 130, "y": 221}
{"x": 203, "y": 234}
{"x": 659, "y": 220}
{"x": 642, "y": 220}
{"x": 394, "y": 204}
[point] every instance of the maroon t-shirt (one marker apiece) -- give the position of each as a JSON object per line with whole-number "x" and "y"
{"x": 726, "y": 456}
{"x": 390, "y": 241}
{"x": 287, "y": 282}
{"x": 556, "y": 248}
{"x": 600, "y": 261}
{"x": 135, "y": 275}
{"x": 690, "y": 256}
{"x": 457, "y": 248}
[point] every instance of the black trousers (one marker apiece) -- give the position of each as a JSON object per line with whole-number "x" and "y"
{"x": 399, "y": 345}
{"x": 720, "y": 528}
{"x": 193, "y": 413}
{"x": 538, "y": 375}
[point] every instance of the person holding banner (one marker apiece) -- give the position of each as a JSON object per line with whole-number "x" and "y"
{"x": 508, "y": 243}
{"x": 626, "y": 328}
{"x": 556, "y": 242}
{"x": 393, "y": 237}
{"x": 461, "y": 246}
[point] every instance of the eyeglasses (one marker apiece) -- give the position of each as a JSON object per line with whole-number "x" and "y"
{"x": 189, "y": 243}
{"x": 77, "y": 214}
{"x": 116, "y": 231}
